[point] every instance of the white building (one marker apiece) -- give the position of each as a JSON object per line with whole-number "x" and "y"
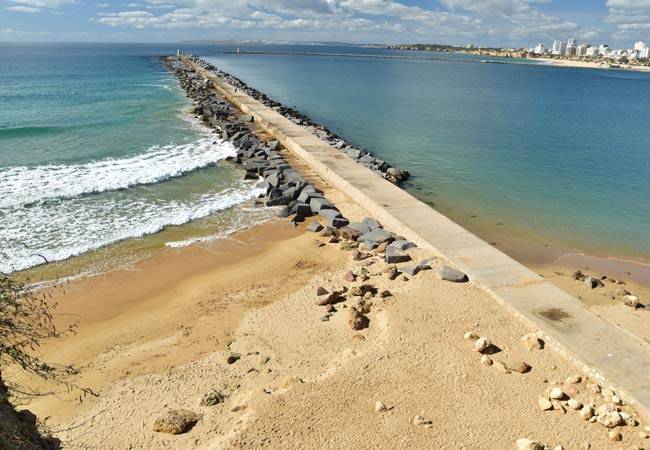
{"x": 581, "y": 50}
{"x": 645, "y": 53}
{"x": 539, "y": 50}
{"x": 592, "y": 52}
{"x": 639, "y": 46}
{"x": 603, "y": 50}
{"x": 559, "y": 48}
{"x": 570, "y": 47}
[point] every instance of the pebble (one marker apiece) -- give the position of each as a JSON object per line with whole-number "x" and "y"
{"x": 532, "y": 342}
{"x": 486, "y": 360}
{"x": 643, "y": 435}
{"x": 615, "y": 436}
{"x": 419, "y": 420}
{"x": 575, "y": 379}
{"x": 587, "y": 412}
{"x": 520, "y": 367}
{"x": 611, "y": 419}
{"x": 380, "y": 407}
{"x": 574, "y": 404}
{"x": 559, "y": 447}
{"x": 529, "y": 444}
{"x": 544, "y": 404}
{"x": 212, "y": 398}
{"x": 501, "y": 367}
{"x": 176, "y": 421}
{"x": 557, "y": 394}
{"x": 482, "y": 344}
{"x": 470, "y": 336}
{"x": 586, "y": 445}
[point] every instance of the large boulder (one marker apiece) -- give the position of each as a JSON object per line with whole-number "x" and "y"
{"x": 395, "y": 256}
{"x": 320, "y": 203}
{"x": 374, "y": 238}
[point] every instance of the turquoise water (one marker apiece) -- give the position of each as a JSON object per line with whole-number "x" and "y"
{"x": 96, "y": 146}
{"x": 558, "y": 153}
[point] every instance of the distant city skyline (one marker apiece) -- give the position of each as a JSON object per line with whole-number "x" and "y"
{"x": 507, "y": 23}
{"x": 570, "y": 48}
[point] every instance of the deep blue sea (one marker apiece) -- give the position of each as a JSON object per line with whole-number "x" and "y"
{"x": 97, "y": 147}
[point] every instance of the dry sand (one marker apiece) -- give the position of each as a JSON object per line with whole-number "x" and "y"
{"x": 158, "y": 339}
{"x": 593, "y": 65}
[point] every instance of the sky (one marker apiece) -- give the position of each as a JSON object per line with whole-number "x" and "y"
{"x": 507, "y": 23}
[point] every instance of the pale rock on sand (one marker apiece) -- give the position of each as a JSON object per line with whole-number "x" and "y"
{"x": 529, "y": 444}
{"x": 482, "y": 344}
{"x": 380, "y": 407}
{"x": 532, "y": 342}
{"x": 176, "y": 421}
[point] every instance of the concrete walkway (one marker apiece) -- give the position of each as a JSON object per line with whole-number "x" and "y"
{"x": 604, "y": 351}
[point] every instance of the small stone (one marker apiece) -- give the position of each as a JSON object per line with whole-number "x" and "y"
{"x": 544, "y": 404}
{"x": 574, "y": 379}
{"x": 482, "y": 345}
{"x": 632, "y": 301}
{"x": 381, "y": 248}
{"x": 559, "y": 447}
{"x": 385, "y": 294}
{"x": 325, "y": 318}
{"x": 532, "y": 342}
{"x": 470, "y": 336}
{"x": 176, "y": 421}
{"x": 529, "y": 444}
{"x": 486, "y": 360}
{"x": 520, "y": 367}
{"x": 611, "y": 419}
{"x": 615, "y": 436}
{"x": 356, "y": 320}
{"x": 392, "y": 273}
{"x": 643, "y": 435}
{"x": 586, "y": 445}
{"x": 350, "y": 277}
{"x": 233, "y": 358}
{"x": 574, "y": 404}
{"x": 557, "y": 394}
{"x": 321, "y": 291}
{"x": 419, "y": 420}
{"x": 557, "y": 406}
{"x": 330, "y": 308}
{"x": 449, "y": 274}
{"x": 629, "y": 420}
{"x": 212, "y": 398}
{"x": 380, "y": 407}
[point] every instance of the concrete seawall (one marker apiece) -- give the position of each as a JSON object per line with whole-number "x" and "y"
{"x": 605, "y": 352}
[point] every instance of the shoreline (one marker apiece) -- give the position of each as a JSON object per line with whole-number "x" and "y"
{"x": 392, "y": 361}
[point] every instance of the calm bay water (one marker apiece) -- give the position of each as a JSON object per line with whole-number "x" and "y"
{"x": 96, "y": 146}
{"x": 559, "y": 154}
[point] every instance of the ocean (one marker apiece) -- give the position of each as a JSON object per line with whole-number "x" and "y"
{"x": 97, "y": 148}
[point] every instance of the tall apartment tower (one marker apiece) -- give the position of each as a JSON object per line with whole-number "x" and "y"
{"x": 570, "y": 47}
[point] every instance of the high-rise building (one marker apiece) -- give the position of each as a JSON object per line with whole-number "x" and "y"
{"x": 645, "y": 53}
{"x": 592, "y": 51}
{"x": 539, "y": 50}
{"x": 603, "y": 50}
{"x": 559, "y": 47}
{"x": 581, "y": 50}
{"x": 639, "y": 46}
{"x": 570, "y": 47}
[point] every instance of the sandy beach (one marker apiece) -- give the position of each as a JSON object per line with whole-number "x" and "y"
{"x": 592, "y": 65}
{"x": 302, "y": 382}
{"x": 231, "y": 331}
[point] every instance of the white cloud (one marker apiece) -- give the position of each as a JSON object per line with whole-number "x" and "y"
{"x": 630, "y": 17}
{"x": 24, "y": 9}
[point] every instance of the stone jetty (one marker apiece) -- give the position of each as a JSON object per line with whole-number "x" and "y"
{"x": 362, "y": 156}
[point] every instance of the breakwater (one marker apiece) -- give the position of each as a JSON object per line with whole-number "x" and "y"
{"x": 602, "y": 350}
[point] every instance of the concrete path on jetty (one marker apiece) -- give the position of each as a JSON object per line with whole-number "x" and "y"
{"x": 604, "y": 351}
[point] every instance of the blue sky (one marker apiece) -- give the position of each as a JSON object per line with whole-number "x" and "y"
{"x": 482, "y": 22}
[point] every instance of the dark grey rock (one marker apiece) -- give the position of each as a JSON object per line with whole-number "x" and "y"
{"x": 371, "y": 223}
{"x": 449, "y": 274}
{"x": 279, "y": 201}
{"x": 395, "y": 256}
{"x": 329, "y": 214}
{"x": 402, "y": 245}
{"x": 338, "y": 222}
{"x": 424, "y": 264}
{"x": 273, "y": 145}
{"x": 314, "y": 227}
{"x": 320, "y": 203}
{"x": 411, "y": 271}
{"x": 360, "y": 227}
{"x": 374, "y": 238}
{"x": 303, "y": 210}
